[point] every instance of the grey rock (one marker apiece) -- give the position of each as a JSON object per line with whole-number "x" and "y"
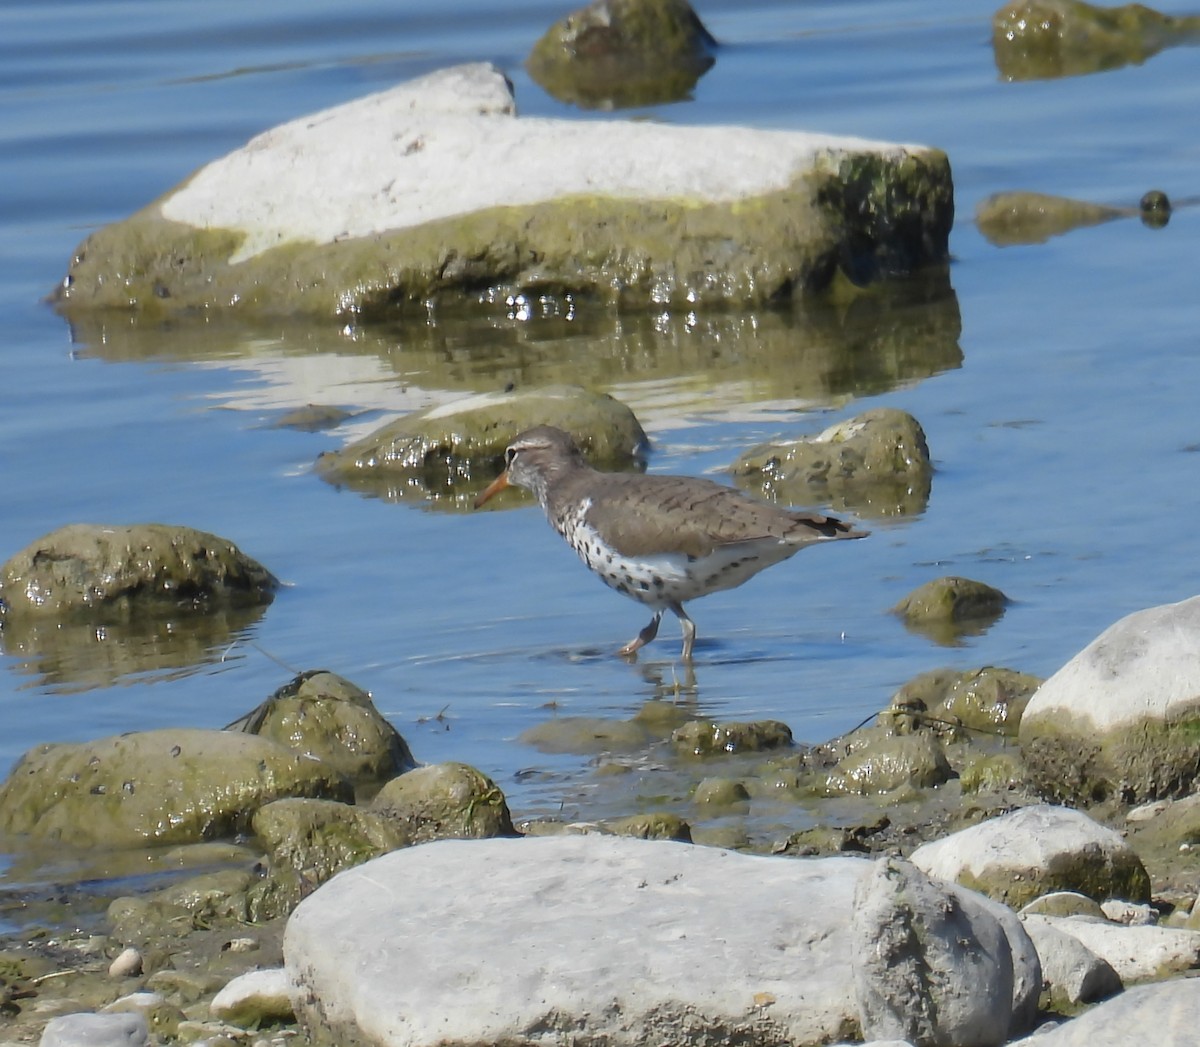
{"x": 96, "y": 1030}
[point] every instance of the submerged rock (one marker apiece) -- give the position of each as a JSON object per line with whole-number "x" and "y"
{"x": 948, "y": 608}
{"x": 875, "y": 464}
{"x": 434, "y": 192}
{"x": 120, "y": 571}
{"x": 1011, "y": 218}
{"x": 618, "y": 53}
{"x": 1120, "y": 719}
{"x": 175, "y": 785}
{"x": 1039, "y": 39}
{"x": 451, "y": 452}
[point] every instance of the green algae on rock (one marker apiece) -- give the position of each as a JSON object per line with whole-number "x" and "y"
{"x": 174, "y": 785}
{"x": 326, "y": 717}
{"x": 445, "y": 801}
{"x": 121, "y": 570}
{"x": 554, "y": 210}
{"x": 1043, "y": 39}
{"x": 949, "y": 608}
{"x": 618, "y": 53}
{"x": 448, "y": 454}
{"x": 1121, "y": 720}
{"x": 1012, "y": 218}
{"x": 875, "y": 464}
{"x": 711, "y": 738}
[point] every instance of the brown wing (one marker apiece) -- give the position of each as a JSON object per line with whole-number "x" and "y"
{"x": 655, "y": 514}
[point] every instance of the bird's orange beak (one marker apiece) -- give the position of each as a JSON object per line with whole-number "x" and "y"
{"x": 495, "y": 487}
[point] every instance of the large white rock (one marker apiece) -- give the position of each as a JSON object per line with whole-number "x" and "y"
{"x": 1035, "y": 850}
{"x": 1120, "y": 717}
{"x": 1166, "y": 1015}
{"x": 466, "y": 942}
{"x": 1146, "y": 664}
{"x": 448, "y": 143}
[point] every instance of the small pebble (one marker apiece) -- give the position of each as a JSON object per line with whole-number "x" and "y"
{"x": 127, "y": 965}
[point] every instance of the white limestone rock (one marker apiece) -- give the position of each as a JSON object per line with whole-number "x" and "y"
{"x": 1137, "y": 954}
{"x": 1073, "y": 973}
{"x": 1120, "y": 718}
{"x": 512, "y": 940}
{"x": 436, "y": 187}
{"x": 1166, "y": 1014}
{"x": 253, "y": 997}
{"x": 1035, "y": 850}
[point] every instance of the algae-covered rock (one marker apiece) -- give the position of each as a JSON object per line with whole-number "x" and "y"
{"x": 651, "y": 827}
{"x": 434, "y": 195}
{"x": 445, "y": 801}
{"x": 119, "y": 571}
{"x": 166, "y": 786}
{"x": 171, "y": 912}
{"x": 308, "y": 841}
{"x": 1035, "y": 850}
{"x": 324, "y": 716}
{"x": 990, "y": 699}
{"x": 947, "y": 608}
{"x": 450, "y": 453}
{"x": 709, "y": 738}
{"x": 1041, "y": 39}
{"x": 586, "y": 735}
{"x": 1120, "y": 719}
{"x": 617, "y": 53}
{"x": 876, "y": 465}
{"x": 997, "y": 772}
{"x": 720, "y": 792}
{"x": 883, "y": 763}
{"x": 1011, "y": 218}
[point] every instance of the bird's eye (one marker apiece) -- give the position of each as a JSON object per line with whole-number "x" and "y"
{"x": 509, "y": 455}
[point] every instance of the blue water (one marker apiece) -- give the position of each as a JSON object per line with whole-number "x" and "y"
{"x": 1065, "y": 443}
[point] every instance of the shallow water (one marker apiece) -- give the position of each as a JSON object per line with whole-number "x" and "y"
{"x": 1056, "y": 389}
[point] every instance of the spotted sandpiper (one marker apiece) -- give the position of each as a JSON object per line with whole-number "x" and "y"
{"x": 660, "y": 540}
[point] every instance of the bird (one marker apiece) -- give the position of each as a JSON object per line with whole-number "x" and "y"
{"x": 660, "y": 540}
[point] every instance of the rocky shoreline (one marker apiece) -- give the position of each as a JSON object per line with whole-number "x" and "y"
{"x": 945, "y": 892}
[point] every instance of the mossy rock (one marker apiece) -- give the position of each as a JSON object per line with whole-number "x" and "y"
{"x": 166, "y": 786}
{"x": 445, "y": 801}
{"x": 324, "y": 716}
{"x": 619, "y": 53}
{"x": 117, "y": 571}
{"x": 448, "y": 454}
{"x": 709, "y": 738}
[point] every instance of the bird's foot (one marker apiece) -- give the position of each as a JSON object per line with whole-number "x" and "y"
{"x": 642, "y": 638}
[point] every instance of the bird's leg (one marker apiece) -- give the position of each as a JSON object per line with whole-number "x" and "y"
{"x": 689, "y": 630}
{"x": 642, "y": 638}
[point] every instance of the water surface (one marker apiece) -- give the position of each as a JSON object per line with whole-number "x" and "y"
{"x": 1056, "y": 388}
